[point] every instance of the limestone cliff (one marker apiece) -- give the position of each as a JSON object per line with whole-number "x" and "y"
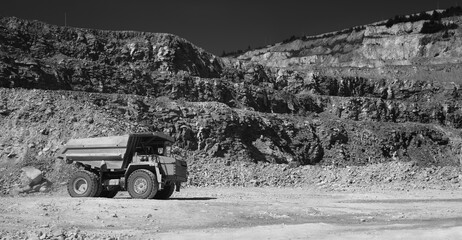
{"x": 370, "y": 46}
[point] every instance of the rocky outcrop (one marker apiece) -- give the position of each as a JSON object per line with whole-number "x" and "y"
{"x": 406, "y": 28}
{"x": 38, "y": 55}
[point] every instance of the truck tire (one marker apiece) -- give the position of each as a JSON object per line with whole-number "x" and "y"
{"x": 83, "y": 183}
{"x": 142, "y": 184}
{"x": 166, "y": 192}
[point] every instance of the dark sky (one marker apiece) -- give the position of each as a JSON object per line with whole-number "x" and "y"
{"x": 218, "y": 25}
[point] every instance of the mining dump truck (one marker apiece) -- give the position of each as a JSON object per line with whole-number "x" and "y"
{"x": 139, "y": 163}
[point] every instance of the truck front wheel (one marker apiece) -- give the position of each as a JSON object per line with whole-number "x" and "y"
{"x": 83, "y": 184}
{"x": 143, "y": 184}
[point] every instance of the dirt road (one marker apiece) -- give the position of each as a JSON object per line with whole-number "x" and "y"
{"x": 238, "y": 213}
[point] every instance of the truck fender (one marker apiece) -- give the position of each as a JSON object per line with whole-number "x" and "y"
{"x": 159, "y": 176}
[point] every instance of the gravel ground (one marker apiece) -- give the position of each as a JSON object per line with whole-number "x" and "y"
{"x": 238, "y": 213}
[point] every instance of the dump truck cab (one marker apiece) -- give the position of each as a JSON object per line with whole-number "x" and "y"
{"x": 140, "y": 163}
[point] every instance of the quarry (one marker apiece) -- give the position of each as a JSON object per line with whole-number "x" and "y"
{"x": 343, "y": 135}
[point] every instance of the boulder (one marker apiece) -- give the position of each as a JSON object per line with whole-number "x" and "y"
{"x": 31, "y": 176}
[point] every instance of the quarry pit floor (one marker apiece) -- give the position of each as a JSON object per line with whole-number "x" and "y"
{"x": 241, "y": 213}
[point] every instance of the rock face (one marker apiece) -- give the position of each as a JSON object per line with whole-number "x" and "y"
{"x": 38, "y": 55}
{"x": 372, "y": 95}
{"x": 213, "y": 133}
{"x": 368, "y": 46}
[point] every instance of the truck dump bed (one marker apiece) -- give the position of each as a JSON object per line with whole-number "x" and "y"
{"x": 115, "y": 151}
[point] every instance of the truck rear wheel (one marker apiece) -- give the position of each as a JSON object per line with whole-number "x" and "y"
{"x": 166, "y": 192}
{"x": 143, "y": 184}
{"x": 83, "y": 183}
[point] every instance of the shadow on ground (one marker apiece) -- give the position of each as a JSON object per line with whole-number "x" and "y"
{"x": 176, "y": 198}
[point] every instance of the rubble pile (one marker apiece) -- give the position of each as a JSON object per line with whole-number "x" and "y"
{"x": 45, "y": 232}
{"x": 389, "y": 175}
{"x": 32, "y": 180}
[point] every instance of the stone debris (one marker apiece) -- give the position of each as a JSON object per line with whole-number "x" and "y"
{"x": 55, "y": 234}
{"x": 31, "y": 176}
{"x": 31, "y": 180}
